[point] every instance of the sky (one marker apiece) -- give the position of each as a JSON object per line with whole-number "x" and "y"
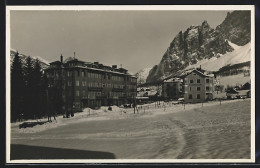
{"x": 135, "y": 39}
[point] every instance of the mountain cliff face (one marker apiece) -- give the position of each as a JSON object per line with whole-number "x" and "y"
{"x": 202, "y": 42}
{"x": 237, "y": 27}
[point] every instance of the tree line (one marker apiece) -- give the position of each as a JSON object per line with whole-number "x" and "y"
{"x": 28, "y": 89}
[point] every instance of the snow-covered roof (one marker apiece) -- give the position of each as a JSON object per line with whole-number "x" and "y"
{"x": 172, "y": 80}
{"x": 200, "y": 73}
{"x": 93, "y": 68}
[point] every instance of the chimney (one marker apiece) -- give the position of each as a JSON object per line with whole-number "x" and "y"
{"x": 61, "y": 58}
{"x": 114, "y": 66}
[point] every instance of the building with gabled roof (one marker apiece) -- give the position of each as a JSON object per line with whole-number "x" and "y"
{"x": 172, "y": 88}
{"x": 198, "y": 86}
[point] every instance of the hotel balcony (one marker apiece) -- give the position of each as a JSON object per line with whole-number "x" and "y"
{"x": 118, "y": 89}
{"x": 95, "y": 88}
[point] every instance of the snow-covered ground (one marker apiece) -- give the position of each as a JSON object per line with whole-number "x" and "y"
{"x": 168, "y": 131}
{"x": 146, "y": 110}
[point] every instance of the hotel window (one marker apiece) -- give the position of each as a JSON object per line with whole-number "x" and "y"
{"x": 190, "y": 96}
{"x": 69, "y": 74}
{"x": 69, "y": 83}
{"x": 77, "y": 83}
{"x": 83, "y": 73}
{"x": 77, "y": 92}
{"x": 191, "y": 81}
{"x": 198, "y": 96}
{"x": 207, "y": 88}
{"x": 83, "y": 93}
{"x": 198, "y": 80}
{"x": 198, "y": 88}
{"x": 207, "y": 80}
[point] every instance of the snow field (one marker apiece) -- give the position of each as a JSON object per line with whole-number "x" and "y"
{"x": 239, "y": 55}
{"x": 213, "y": 131}
{"x": 146, "y": 110}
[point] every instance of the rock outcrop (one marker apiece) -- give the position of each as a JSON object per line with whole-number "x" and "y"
{"x": 202, "y": 42}
{"x": 237, "y": 27}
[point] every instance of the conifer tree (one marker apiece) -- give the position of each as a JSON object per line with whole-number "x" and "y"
{"x": 29, "y": 99}
{"x": 36, "y": 88}
{"x": 43, "y": 99}
{"x": 17, "y": 89}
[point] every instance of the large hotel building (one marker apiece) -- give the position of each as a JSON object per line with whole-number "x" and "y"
{"x": 82, "y": 84}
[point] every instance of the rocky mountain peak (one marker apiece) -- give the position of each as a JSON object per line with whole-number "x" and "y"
{"x": 236, "y": 27}
{"x": 202, "y": 42}
{"x": 205, "y": 24}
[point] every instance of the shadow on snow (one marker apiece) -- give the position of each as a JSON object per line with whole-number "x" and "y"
{"x": 35, "y": 152}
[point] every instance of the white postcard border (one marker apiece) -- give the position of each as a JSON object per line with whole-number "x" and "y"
{"x": 143, "y": 8}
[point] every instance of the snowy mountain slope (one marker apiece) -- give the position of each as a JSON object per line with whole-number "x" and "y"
{"x": 142, "y": 75}
{"x": 239, "y": 55}
{"x": 44, "y": 63}
{"x": 41, "y": 59}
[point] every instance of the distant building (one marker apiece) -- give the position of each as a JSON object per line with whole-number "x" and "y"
{"x": 83, "y": 84}
{"x": 247, "y": 86}
{"x": 198, "y": 86}
{"x": 231, "y": 93}
{"x": 172, "y": 88}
